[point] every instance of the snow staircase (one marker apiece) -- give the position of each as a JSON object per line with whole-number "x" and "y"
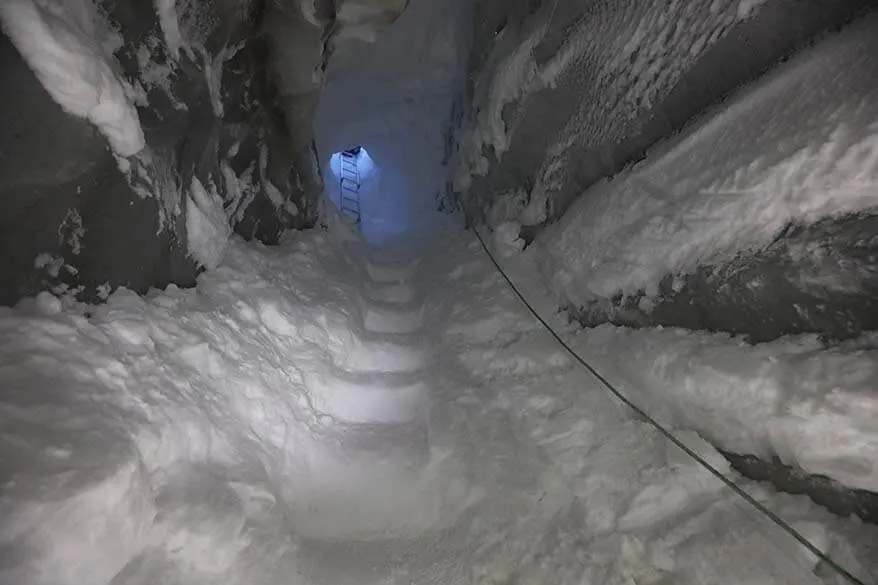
{"x": 376, "y": 402}
{"x": 387, "y": 389}
{"x": 349, "y": 184}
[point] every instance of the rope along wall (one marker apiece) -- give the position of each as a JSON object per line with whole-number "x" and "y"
{"x": 668, "y": 435}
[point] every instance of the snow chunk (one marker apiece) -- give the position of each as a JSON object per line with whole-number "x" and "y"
{"x": 170, "y": 25}
{"x": 52, "y": 264}
{"x": 240, "y": 191}
{"x": 505, "y": 239}
{"x": 48, "y": 304}
{"x": 207, "y": 228}
{"x": 71, "y": 231}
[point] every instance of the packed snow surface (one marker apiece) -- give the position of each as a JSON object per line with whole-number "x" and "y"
{"x": 267, "y": 427}
{"x": 797, "y": 146}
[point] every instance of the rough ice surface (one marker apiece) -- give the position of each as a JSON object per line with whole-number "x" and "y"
{"x": 797, "y": 146}
{"x": 263, "y": 428}
{"x": 617, "y": 61}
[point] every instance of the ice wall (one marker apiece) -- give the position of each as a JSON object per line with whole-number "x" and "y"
{"x": 136, "y": 136}
{"x": 565, "y": 94}
{"x": 566, "y": 97}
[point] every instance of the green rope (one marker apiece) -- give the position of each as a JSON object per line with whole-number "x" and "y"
{"x": 667, "y": 434}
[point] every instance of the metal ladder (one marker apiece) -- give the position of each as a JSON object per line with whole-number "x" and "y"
{"x": 350, "y": 185}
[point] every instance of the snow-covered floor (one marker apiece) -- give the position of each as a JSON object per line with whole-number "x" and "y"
{"x": 323, "y": 413}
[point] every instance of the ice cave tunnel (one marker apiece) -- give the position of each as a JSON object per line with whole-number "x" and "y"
{"x": 417, "y": 292}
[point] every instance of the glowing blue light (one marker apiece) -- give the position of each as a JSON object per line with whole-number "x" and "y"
{"x": 365, "y": 165}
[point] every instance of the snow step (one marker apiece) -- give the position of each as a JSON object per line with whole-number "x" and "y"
{"x": 413, "y": 339}
{"x": 390, "y": 293}
{"x": 391, "y": 272}
{"x": 367, "y": 401}
{"x": 383, "y": 356}
{"x": 387, "y": 491}
{"x": 401, "y": 445}
{"x": 391, "y": 254}
{"x": 380, "y": 319}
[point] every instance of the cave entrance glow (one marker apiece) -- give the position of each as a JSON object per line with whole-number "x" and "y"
{"x": 352, "y": 174}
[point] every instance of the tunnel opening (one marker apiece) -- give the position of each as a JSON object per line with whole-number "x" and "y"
{"x": 394, "y": 97}
{"x": 351, "y": 175}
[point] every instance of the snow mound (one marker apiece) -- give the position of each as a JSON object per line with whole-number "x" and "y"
{"x": 168, "y": 437}
{"x": 506, "y": 242}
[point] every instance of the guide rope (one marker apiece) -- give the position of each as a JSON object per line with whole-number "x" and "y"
{"x": 668, "y": 435}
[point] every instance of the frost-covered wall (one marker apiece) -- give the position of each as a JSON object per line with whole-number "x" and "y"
{"x": 566, "y": 93}
{"x": 759, "y": 219}
{"x": 136, "y": 136}
{"x": 749, "y": 239}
